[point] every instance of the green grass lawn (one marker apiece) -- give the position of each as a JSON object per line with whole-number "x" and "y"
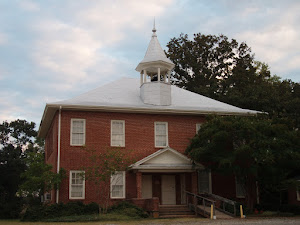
{"x": 127, "y": 222}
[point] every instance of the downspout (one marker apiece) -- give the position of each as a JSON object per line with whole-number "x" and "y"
{"x": 58, "y": 149}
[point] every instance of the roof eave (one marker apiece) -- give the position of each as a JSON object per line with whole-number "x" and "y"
{"x": 144, "y": 65}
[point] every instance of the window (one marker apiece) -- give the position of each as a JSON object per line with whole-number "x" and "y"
{"x": 204, "y": 181}
{"x": 117, "y": 185}
{"x": 298, "y": 193}
{"x": 77, "y": 132}
{"x": 46, "y": 197}
{"x": 77, "y": 185}
{"x": 198, "y": 126}
{"x": 118, "y": 133}
{"x": 161, "y": 134}
{"x": 240, "y": 187}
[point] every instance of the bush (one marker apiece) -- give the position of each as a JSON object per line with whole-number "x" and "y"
{"x": 41, "y": 212}
{"x": 91, "y": 208}
{"x": 129, "y": 209}
{"x": 34, "y": 213}
{"x": 11, "y": 210}
{"x": 77, "y": 211}
{"x": 295, "y": 209}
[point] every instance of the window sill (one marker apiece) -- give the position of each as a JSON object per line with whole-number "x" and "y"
{"x": 74, "y": 198}
{"x": 117, "y": 197}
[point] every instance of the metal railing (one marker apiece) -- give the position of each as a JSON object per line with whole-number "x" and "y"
{"x": 200, "y": 205}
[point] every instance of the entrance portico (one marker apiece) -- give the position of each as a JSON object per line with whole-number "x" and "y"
{"x": 166, "y": 174}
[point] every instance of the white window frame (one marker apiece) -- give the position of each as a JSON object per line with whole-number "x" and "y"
{"x": 237, "y": 183}
{"x": 209, "y": 182}
{"x": 167, "y": 134}
{"x": 47, "y": 196}
{"x": 71, "y": 132}
{"x": 198, "y": 126}
{"x": 124, "y": 185}
{"x": 111, "y": 133}
{"x": 70, "y": 185}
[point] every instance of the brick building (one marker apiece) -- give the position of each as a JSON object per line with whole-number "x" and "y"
{"x": 147, "y": 115}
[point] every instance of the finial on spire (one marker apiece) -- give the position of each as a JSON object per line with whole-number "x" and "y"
{"x": 154, "y": 29}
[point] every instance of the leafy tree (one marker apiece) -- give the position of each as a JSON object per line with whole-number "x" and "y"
{"x": 39, "y": 177}
{"x": 253, "y": 149}
{"x": 15, "y": 137}
{"x": 203, "y": 65}
{"x": 102, "y": 166}
{"x": 225, "y": 70}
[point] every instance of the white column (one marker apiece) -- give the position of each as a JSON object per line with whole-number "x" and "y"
{"x": 145, "y": 76}
{"x": 169, "y": 77}
{"x": 165, "y": 75}
{"x": 158, "y": 74}
{"x": 141, "y": 77}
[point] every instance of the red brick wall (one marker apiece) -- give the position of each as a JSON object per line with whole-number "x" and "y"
{"x": 139, "y": 137}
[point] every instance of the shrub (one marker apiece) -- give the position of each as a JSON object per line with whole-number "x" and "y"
{"x": 91, "y": 208}
{"x": 10, "y": 210}
{"x": 34, "y": 213}
{"x": 42, "y": 212}
{"x": 295, "y": 209}
{"x": 129, "y": 209}
{"x": 76, "y": 211}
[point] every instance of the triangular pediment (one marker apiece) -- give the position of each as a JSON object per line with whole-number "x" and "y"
{"x": 166, "y": 159}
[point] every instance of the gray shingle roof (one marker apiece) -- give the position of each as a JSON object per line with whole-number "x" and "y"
{"x": 125, "y": 93}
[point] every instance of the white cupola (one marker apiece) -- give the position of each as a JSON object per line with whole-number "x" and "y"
{"x": 155, "y": 71}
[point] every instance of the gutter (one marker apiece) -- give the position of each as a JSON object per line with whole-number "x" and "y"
{"x": 155, "y": 110}
{"x": 58, "y": 149}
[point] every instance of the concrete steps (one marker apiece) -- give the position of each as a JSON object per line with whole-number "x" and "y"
{"x": 173, "y": 211}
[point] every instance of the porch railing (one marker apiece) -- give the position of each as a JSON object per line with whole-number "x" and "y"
{"x": 200, "y": 205}
{"x": 225, "y": 205}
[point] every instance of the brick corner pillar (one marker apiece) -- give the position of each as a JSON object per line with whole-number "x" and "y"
{"x": 194, "y": 188}
{"x": 139, "y": 185}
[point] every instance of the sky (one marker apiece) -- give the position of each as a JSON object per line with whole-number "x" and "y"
{"x": 55, "y": 50}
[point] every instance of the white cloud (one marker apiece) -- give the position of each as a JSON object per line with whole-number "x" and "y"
{"x": 65, "y": 50}
{"x": 277, "y": 42}
{"x": 273, "y": 44}
{"x": 3, "y": 38}
{"x": 74, "y": 52}
{"x": 29, "y": 5}
{"x": 8, "y": 109}
{"x": 113, "y": 20}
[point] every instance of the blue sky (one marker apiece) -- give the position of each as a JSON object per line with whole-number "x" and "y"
{"x": 55, "y": 50}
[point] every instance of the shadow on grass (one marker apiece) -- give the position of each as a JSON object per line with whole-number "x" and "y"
{"x": 94, "y": 217}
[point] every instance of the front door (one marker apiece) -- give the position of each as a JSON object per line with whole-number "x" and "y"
{"x": 168, "y": 191}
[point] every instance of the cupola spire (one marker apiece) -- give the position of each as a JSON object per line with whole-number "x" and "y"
{"x": 155, "y": 71}
{"x": 154, "y": 29}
